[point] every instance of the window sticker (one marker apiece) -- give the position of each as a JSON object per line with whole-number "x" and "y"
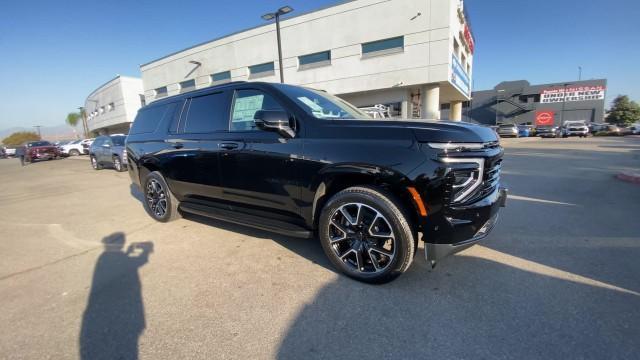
{"x": 246, "y": 107}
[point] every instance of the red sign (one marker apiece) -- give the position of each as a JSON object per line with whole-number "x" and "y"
{"x": 468, "y": 38}
{"x": 544, "y": 117}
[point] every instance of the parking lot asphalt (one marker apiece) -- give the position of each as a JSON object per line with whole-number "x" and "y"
{"x": 85, "y": 271}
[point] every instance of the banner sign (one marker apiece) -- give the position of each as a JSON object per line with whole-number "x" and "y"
{"x": 575, "y": 93}
{"x": 544, "y": 117}
{"x": 469, "y": 38}
{"x": 459, "y": 77}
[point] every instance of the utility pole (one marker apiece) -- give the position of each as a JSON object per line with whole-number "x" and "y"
{"x": 38, "y": 127}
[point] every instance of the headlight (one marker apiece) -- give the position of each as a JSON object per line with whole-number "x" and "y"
{"x": 465, "y": 179}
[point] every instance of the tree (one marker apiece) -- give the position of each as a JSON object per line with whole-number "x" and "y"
{"x": 20, "y": 137}
{"x": 73, "y": 118}
{"x": 623, "y": 111}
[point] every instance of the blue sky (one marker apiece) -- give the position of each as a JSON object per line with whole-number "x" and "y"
{"x": 54, "y": 53}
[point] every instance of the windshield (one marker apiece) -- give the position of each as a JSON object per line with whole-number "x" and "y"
{"x": 118, "y": 140}
{"x": 39, "y": 143}
{"x": 322, "y": 105}
{"x": 506, "y": 126}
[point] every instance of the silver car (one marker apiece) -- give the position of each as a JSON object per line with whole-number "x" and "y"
{"x": 508, "y": 130}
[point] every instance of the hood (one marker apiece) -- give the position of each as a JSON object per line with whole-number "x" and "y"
{"x": 428, "y": 130}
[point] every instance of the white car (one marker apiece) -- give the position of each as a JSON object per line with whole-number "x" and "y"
{"x": 73, "y": 148}
{"x": 575, "y": 128}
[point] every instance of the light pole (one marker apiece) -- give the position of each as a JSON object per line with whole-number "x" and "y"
{"x": 579, "y": 73}
{"x": 38, "y": 127}
{"x": 85, "y": 128}
{"x": 270, "y": 16}
{"x": 497, "y": 94}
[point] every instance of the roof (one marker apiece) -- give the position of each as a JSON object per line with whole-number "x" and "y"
{"x": 247, "y": 29}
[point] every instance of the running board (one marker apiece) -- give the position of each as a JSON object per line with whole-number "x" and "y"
{"x": 240, "y": 218}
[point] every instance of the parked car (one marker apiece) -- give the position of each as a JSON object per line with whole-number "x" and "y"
{"x": 635, "y": 129}
{"x": 40, "y": 150}
{"x": 595, "y": 127}
{"x": 548, "y": 131}
{"x": 609, "y": 130}
{"x": 575, "y": 128}
{"x": 304, "y": 163}
{"x": 86, "y": 145}
{"x": 508, "y": 130}
{"x": 109, "y": 151}
{"x": 524, "y": 131}
{"x": 10, "y": 151}
{"x": 73, "y": 148}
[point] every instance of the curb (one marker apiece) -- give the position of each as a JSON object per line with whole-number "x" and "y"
{"x": 629, "y": 177}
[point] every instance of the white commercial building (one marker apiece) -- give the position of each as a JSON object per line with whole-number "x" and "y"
{"x": 112, "y": 107}
{"x": 414, "y": 56}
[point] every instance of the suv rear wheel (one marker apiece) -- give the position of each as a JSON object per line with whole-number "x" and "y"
{"x": 117, "y": 164}
{"x": 159, "y": 202}
{"x": 365, "y": 234}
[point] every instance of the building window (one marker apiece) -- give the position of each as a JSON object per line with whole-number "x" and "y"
{"x": 101, "y": 109}
{"x": 468, "y": 68}
{"x": 383, "y": 47}
{"x": 161, "y": 92}
{"x": 143, "y": 100}
{"x": 187, "y": 85}
{"x": 456, "y": 47}
{"x": 261, "y": 70}
{"x": 112, "y": 106}
{"x": 463, "y": 60}
{"x": 445, "y": 106}
{"x": 314, "y": 60}
{"x": 221, "y": 78}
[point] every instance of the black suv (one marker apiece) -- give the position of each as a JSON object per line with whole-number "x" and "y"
{"x": 304, "y": 163}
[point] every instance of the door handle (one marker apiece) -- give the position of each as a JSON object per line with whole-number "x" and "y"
{"x": 177, "y": 145}
{"x": 228, "y": 145}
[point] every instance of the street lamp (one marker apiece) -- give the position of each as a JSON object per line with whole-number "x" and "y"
{"x": 39, "y": 133}
{"x": 276, "y": 15}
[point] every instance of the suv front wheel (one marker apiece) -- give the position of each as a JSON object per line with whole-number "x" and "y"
{"x": 366, "y": 234}
{"x": 159, "y": 202}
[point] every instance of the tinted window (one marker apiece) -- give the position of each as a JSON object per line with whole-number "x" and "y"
{"x": 245, "y": 106}
{"x": 382, "y": 45}
{"x": 221, "y": 77}
{"x": 322, "y": 105}
{"x": 315, "y": 59}
{"x": 148, "y": 119}
{"x": 118, "y": 140}
{"x": 188, "y": 85}
{"x": 98, "y": 142}
{"x": 207, "y": 113}
{"x": 39, "y": 143}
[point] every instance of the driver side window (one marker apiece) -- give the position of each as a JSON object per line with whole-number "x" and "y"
{"x": 245, "y": 105}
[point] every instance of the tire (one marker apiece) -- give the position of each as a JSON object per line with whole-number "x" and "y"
{"x": 74, "y": 152}
{"x": 379, "y": 246}
{"x": 117, "y": 164}
{"x": 156, "y": 192}
{"x": 95, "y": 164}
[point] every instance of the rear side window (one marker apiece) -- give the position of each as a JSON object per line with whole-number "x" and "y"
{"x": 148, "y": 120}
{"x": 245, "y": 106}
{"x": 209, "y": 113}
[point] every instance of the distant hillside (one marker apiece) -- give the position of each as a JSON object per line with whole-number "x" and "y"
{"x": 58, "y": 132}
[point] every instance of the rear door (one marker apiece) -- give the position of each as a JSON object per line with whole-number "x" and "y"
{"x": 257, "y": 165}
{"x": 193, "y": 167}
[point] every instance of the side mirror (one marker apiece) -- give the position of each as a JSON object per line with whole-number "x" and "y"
{"x": 274, "y": 120}
{"x": 106, "y": 145}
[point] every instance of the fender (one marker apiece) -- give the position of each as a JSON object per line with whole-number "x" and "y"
{"x": 336, "y": 177}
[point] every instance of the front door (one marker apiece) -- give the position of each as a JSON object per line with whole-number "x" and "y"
{"x": 256, "y": 165}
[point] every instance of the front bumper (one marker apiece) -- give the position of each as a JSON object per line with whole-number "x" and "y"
{"x": 464, "y": 226}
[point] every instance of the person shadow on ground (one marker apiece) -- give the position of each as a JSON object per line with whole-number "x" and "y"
{"x": 114, "y": 317}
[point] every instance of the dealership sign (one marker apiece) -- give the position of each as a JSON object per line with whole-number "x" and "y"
{"x": 575, "y": 93}
{"x": 544, "y": 117}
{"x": 459, "y": 77}
{"x": 469, "y": 38}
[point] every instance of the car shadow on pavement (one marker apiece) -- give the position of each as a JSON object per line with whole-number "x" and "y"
{"x": 310, "y": 248}
{"x": 466, "y": 308}
{"x": 114, "y": 318}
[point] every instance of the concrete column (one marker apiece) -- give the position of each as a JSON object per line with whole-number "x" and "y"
{"x": 455, "y": 114}
{"x": 405, "y": 109}
{"x": 430, "y": 102}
